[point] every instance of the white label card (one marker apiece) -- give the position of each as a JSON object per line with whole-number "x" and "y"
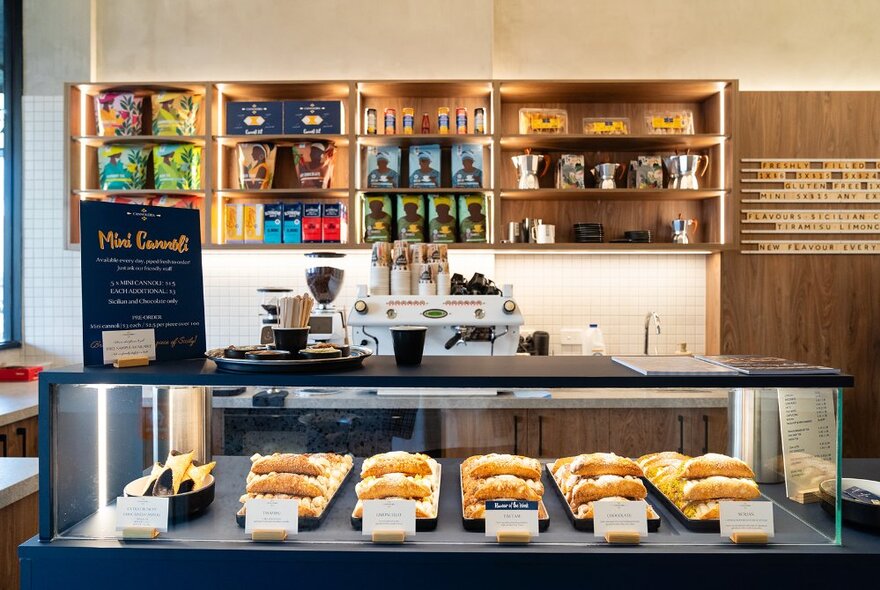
{"x": 272, "y": 515}
{"x": 511, "y": 515}
{"x": 741, "y": 517}
{"x": 147, "y": 512}
{"x": 124, "y": 343}
{"x": 620, "y": 516}
{"x": 389, "y": 515}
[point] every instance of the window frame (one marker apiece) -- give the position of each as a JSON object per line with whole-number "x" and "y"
{"x": 12, "y": 219}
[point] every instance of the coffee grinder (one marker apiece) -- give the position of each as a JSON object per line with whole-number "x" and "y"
{"x": 269, "y": 297}
{"x": 327, "y": 323}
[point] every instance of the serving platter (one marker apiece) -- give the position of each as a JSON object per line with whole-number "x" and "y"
{"x": 354, "y": 360}
{"x": 180, "y": 506}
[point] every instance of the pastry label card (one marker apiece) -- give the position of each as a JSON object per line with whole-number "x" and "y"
{"x": 272, "y": 515}
{"x": 511, "y": 515}
{"x": 746, "y": 517}
{"x": 809, "y": 438}
{"x": 623, "y": 516}
{"x": 117, "y": 344}
{"x": 141, "y": 271}
{"x": 389, "y": 515}
{"x": 142, "y": 512}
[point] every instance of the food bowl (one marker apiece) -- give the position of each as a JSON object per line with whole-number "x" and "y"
{"x": 854, "y": 511}
{"x": 180, "y": 506}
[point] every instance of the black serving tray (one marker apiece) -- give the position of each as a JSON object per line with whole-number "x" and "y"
{"x": 308, "y": 523}
{"x": 354, "y": 360}
{"x": 478, "y": 525}
{"x": 855, "y": 512}
{"x": 699, "y": 526}
{"x": 423, "y": 525}
{"x": 586, "y": 524}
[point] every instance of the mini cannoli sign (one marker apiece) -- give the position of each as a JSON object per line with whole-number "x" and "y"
{"x": 141, "y": 272}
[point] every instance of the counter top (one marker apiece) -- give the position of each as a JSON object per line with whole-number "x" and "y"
{"x": 18, "y": 401}
{"x": 458, "y": 371}
{"x": 18, "y": 478}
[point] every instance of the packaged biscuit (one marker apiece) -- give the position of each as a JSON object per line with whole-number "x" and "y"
{"x": 383, "y": 167}
{"x": 473, "y": 223}
{"x": 253, "y": 224}
{"x": 314, "y": 163}
{"x": 467, "y": 166}
{"x": 378, "y": 218}
{"x": 177, "y": 166}
{"x": 424, "y": 166}
{"x": 122, "y": 167}
{"x": 312, "y": 116}
{"x": 410, "y": 218}
{"x": 118, "y": 113}
{"x": 174, "y": 113}
{"x": 291, "y": 224}
{"x": 233, "y": 223}
{"x": 311, "y": 222}
{"x": 253, "y": 117}
{"x": 256, "y": 165}
{"x": 272, "y": 217}
{"x": 442, "y": 220}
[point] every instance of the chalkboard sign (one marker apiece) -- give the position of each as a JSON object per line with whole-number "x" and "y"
{"x": 142, "y": 289}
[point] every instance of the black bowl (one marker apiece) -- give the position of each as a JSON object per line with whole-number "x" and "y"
{"x": 180, "y": 506}
{"x": 860, "y": 513}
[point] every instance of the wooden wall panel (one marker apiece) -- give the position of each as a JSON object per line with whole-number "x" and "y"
{"x": 817, "y": 308}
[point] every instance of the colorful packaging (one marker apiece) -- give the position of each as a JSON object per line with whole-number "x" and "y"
{"x": 473, "y": 223}
{"x": 424, "y": 166}
{"x": 291, "y": 224}
{"x": 378, "y": 218}
{"x": 570, "y": 171}
{"x": 175, "y": 202}
{"x": 314, "y": 163}
{"x": 122, "y": 167}
{"x": 272, "y": 216}
{"x": 411, "y": 218}
{"x": 177, "y": 166}
{"x": 312, "y": 116}
{"x": 118, "y": 114}
{"x": 332, "y": 222}
{"x": 233, "y": 221}
{"x": 125, "y": 200}
{"x": 409, "y": 115}
{"x": 254, "y": 118}
{"x": 461, "y": 120}
{"x": 312, "y": 214}
{"x": 442, "y": 219}
{"x": 443, "y": 120}
{"x": 467, "y": 166}
{"x": 645, "y": 172}
{"x": 253, "y": 224}
{"x": 383, "y": 167}
{"x": 174, "y": 113}
{"x": 256, "y": 165}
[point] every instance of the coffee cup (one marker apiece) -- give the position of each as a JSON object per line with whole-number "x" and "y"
{"x": 292, "y": 339}
{"x": 543, "y": 234}
{"x": 409, "y": 344}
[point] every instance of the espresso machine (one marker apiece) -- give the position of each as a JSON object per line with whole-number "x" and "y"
{"x": 324, "y": 279}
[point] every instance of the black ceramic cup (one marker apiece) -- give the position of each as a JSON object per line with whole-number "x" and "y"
{"x": 409, "y": 344}
{"x": 292, "y": 339}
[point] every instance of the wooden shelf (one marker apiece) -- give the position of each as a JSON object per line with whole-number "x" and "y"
{"x": 98, "y": 140}
{"x": 611, "y": 143}
{"x": 138, "y": 193}
{"x": 318, "y": 246}
{"x": 617, "y": 194}
{"x": 426, "y": 89}
{"x": 317, "y": 193}
{"x": 444, "y": 140}
{"x": 658, "y": 247}
{"x": 422, "y": 191}
{"x": 232, "y": 140}
{"x": 606, "y": 91}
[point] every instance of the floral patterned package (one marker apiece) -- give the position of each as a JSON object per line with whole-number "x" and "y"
{"x": 118, "y": 113}
{"x": 122, "y": 167}
{"x": 177, "y": 167}
{"x": 174, "y": 113}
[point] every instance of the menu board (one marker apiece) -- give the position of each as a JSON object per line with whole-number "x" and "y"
{"x": 142, "y": 292}
{"x": 810, "y": 206}
{"x": 809, "y": 438}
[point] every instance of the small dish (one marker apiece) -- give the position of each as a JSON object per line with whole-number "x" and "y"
{"x": 268, "y": 355}
{"x": 320, "y": 353}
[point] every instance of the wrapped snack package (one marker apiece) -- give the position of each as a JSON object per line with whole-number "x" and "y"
{"x": 175, "y": 202}
{"x": 122, "y": 167}
{"x": 124, "y": 200}
{"x": 177, "y": 167}
{"x": 118, "y": 113}
{"x": 314, "y": 163}
{"x": 174, "y": 113}
{"x": 256, "y": 165}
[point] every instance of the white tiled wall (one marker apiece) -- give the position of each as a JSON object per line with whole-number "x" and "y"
{"x": 553, "y": 291}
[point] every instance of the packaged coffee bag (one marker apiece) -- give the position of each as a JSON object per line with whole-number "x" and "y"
{"x": 174, "y": 113}
{"x": 472, "y": 225}
{"x": 256, "y": 165}
{"x": 411, "y": 218}
{"x": 442, "y": 219}
{"x": 378, "y": 218}
{"x": 177, "y": 167}
{"x": 314, "y": 163}
{"x": 118, "y": 113}
{"x": 122, "y": 167}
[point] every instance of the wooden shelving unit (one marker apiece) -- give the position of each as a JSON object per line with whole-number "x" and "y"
{"x": 610, "y": 195}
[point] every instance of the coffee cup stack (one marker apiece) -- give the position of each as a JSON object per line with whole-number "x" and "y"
{"x": 380, "y": 267}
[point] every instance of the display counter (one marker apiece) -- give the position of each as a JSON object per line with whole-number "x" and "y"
{"x": 105, "y": 428}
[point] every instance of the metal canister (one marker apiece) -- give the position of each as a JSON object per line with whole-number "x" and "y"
{"x": 461, "y": 120}
{"x": 443, "y": 120}
{"x": 409, "y": 115}
{"x": 754, "y": 433}
{"x": 390, "y": 121}
{"x": 480, "y": 120}
{"x": 370, "y": 121}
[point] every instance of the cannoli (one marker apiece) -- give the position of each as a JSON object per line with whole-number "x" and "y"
{"x": 594, "y": 464}
{"x": 718, "y": 486}
{"x": 504, "y": 486}
{"x": 396, "y": 462}
{"x": 394, "y": 485}
{"x": 496, "y": 464}
{"x": 603, "y": 486}
{"x": 287, "y": 483}
{"x": 715, "y": 464}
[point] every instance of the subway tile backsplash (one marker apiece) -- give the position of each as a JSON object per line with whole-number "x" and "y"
{"x": 553, "y": 291}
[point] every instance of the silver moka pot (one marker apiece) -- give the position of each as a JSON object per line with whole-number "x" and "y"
{"x": 527, "y": 166}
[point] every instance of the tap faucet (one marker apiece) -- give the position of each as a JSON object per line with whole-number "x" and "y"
{"x": 651, "y": 317}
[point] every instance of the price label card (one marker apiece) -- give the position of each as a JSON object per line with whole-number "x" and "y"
{"x": 389, "y": 515}
{"x": 118, "y": 344}
{"x": 739, "y": 517}
{"x": 272, "y": 515}
{"x": 146, "y": 512}
{"x": 511, "y": 515}
{"x": 620, "y": 516}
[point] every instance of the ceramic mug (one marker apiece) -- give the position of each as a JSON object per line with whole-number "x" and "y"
{"x": 543, "y": 234}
